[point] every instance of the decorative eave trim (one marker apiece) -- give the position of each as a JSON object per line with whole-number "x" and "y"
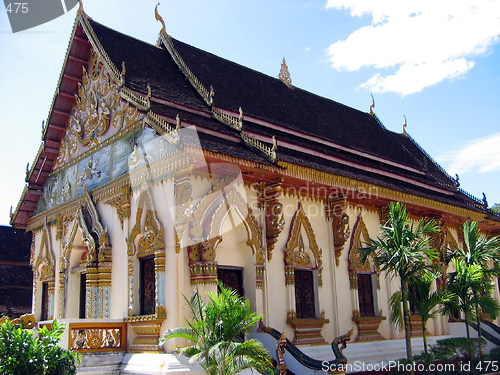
{"x": 321, "y": 141}
{"x": 195, "y": 82}
{"x": 227, "y": 119}
{"x": 18, "y": 206}
{"x": 362, "y": 167}
{"x": 61, "y": 74}
{"x": 33, "y": 165}
{"x": 304, "y": 173}
{"x": 235, "y": 123}
{"x": 163, "y": 127}
{"x": 269, "y": 152}
{"x": 117, "y": 75}
{"x": 139, "y": 101}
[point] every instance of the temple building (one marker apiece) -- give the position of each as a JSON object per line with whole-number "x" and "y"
{"x": 165, "y": 168}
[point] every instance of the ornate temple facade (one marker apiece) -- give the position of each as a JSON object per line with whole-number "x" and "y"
{"x": 164, "y": 168}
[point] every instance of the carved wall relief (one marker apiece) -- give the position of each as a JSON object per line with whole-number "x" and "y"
{"x": 269, "y": 194}
{"x": 335, "y": 208}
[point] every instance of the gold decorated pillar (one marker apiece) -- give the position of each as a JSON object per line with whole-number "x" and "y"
{"x": 92, "y": 302}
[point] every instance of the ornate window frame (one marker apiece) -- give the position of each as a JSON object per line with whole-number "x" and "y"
{"x": 146, "y": 239}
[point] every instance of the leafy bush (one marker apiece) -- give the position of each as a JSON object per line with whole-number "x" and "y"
{"x": 23, "y": 353}
{"x": 456, "y": 347}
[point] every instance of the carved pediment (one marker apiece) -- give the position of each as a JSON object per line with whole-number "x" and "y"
{"x": 44, "y": 266}
{"x": 98, "y": 113}
{"x": 359, "y": 237}
{"x": 296, "y": 253}
{"x": 146, "y": 236}
{"x": 94, "y": 234}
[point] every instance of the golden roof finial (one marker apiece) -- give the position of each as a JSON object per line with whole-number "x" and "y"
{"x": 159, "y": 18}
{"x": 124, "y": 70}
{"x": 177, "y": 122}
{"x": 240, "y": 118}
{"x": 284, "y": 74}
{"x": 372, "y": 106}
{"x": 404, "y": 127}
{"x": 80, "y": 7}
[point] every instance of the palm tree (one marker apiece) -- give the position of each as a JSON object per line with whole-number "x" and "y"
{"x": 216, "y": 330}
{"x": 479, "y": 249}
{"x": 484, "y": 252}
{"x": 467, "y": 283}
{"x": 422, "y": 299}
{"x": 401, "y": 251}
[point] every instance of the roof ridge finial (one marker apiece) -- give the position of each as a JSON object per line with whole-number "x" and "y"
{"x": 485, "y": 201}
{"x": 80, "y": 7}
{"x": 284, "y": 74}
{"x": 372, "y": 106}
{"x": 404, "y": 127}
{"x": 160, "y": 18}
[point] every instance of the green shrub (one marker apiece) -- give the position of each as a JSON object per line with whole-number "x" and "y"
{"x": 23, "y": 353}
{"x": 456, "y": 347}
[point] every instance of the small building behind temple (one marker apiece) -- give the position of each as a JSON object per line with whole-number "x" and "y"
{"x": 16, "y": 274}
{"x": 165, "y": 168}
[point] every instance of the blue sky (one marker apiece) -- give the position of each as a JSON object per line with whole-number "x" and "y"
{"x": 437, "y": 63}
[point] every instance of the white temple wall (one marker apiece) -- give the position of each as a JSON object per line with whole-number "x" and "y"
{"x": 119, "y": 278}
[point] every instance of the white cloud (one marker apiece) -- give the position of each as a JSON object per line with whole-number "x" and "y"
{"x": 480, "y": 155}
{"x": 415, "y": 44}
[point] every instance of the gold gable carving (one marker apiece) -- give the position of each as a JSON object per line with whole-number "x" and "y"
{"x": 98, "y": 107}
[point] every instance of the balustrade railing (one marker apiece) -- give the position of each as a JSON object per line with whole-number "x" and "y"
{"x": 97, "y": 337}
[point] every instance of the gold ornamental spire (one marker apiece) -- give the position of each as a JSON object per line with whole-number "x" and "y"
{"x": 404, "y": 127}
{"x": 80, "y": 6}
{"x": 372, "y": 106}
{"x": 284, "y": 74}
{"x": 159, "y": 18}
